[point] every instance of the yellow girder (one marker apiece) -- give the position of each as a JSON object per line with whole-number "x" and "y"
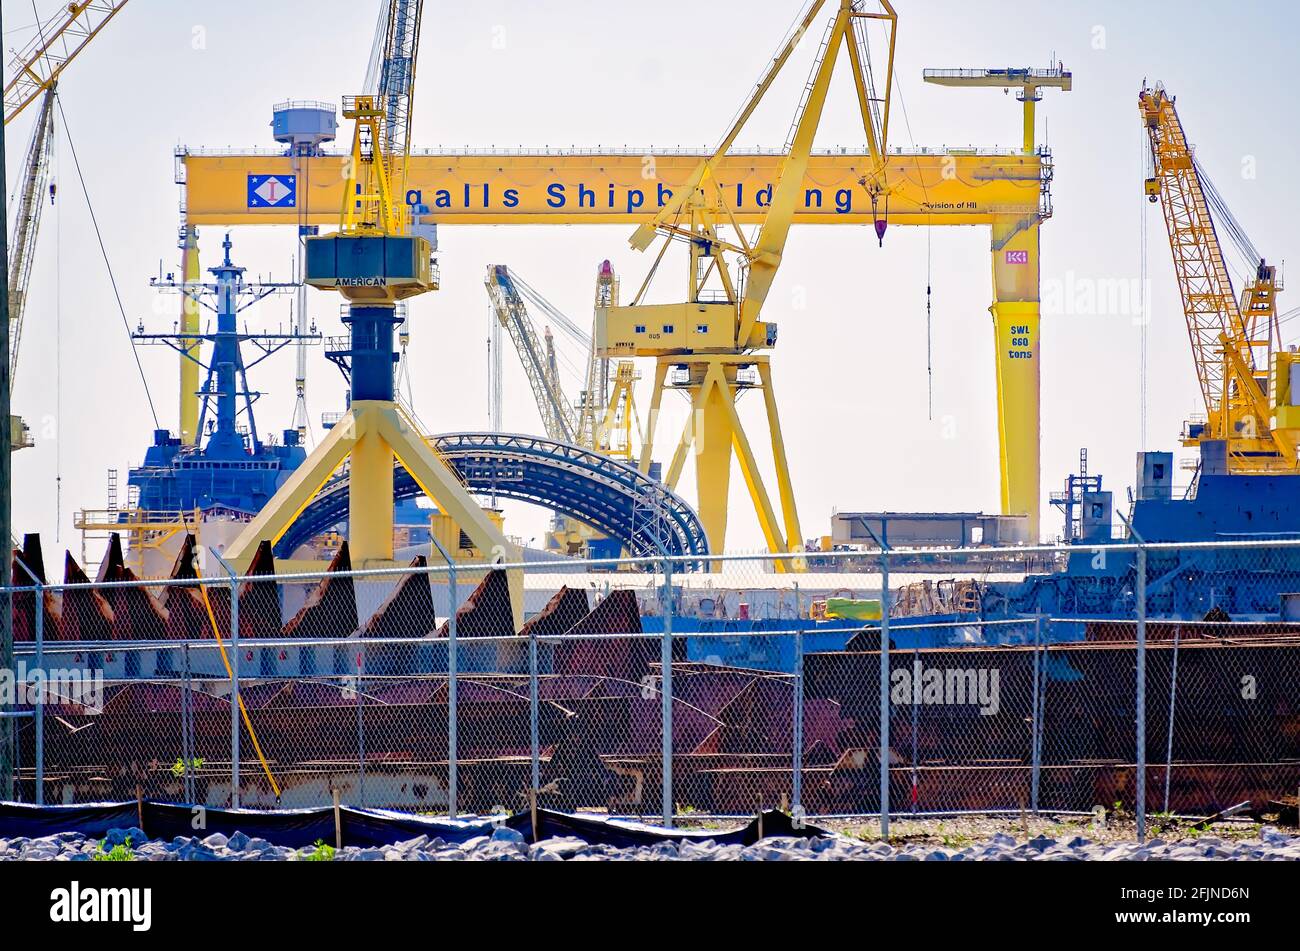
{"x": 485, "y": 188}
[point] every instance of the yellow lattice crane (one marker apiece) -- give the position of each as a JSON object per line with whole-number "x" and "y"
{"x": 1245, "y": 375}
{"x": 34, "y": 73}
{"x": 714, "y": 347}
{"x": 374, "y": 261}
{"x": 614, "y": 424}
{"x": 604, "y": 416}
{"x": 36, "y": 67}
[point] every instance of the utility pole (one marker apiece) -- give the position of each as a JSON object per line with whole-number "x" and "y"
{"x": 6, "y": 496}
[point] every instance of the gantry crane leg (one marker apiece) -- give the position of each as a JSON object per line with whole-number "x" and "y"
{"x": 189, "y": 388}
{"x": 652, "y": 421}
{"x": 372, "y": 435}
{"x": 1015, "y": 313}
{"x": 713, "y": 432}
{"x": 793, "y": 531}
{"x": 293, "y": 495}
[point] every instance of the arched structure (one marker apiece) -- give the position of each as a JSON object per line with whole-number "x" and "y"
{"x": 614, "y": 498}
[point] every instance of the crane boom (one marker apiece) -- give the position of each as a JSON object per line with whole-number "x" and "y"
{"x": 604, "y": 417}
{"x": 37, "y": 66}
{"x": 397, "y": 86}
{"x": 1232, "y": 342}
{"x": 36, "y": 171}
{"x": 34, "y": 70}
{"x": 512, "y": 313}
{"x": 1203, "y": 281}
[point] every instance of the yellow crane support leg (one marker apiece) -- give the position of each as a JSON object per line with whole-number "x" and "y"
{"x": 189, "y": 392}
{"x": 790, "y": 513}
{"x": 712, "y": 433}
{"x": 1016, "y": 339}
{"x": 652, "y": 421}
{"x": 374, "y": 434}
{"x": 370, "y": 500}
{"x": 297, "y": 491}
{"x": 437, "y": 480}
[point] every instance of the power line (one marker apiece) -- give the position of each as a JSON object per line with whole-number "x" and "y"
{"x": 126, "y": 324}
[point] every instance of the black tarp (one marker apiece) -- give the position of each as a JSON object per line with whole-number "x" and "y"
{"x": 296, "y": 828}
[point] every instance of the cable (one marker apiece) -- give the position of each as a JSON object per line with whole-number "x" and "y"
{"x": 929, "y": 238}
{"x": 126, "y": 324}
{"x": 929, "y": 350}
{"x": 1144, "y": 322}
{"x": 221, "y": 645}
{"x": 58, "y": 341}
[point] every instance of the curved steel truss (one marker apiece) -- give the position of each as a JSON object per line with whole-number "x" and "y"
{"x": 612, "y": 497}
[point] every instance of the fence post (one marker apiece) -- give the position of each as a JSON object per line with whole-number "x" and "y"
{"x": 884, "y": 693}
{"x": 361, "y": 724}
{"x": 187, "y": 726}
{"x": 234, "y": 694}
{"x": 534, "y": 727}
{"x": 43, "y": 698}
{"x": 666, "y": 694}
{"x": 1169, "y": 735}
{"x": 8, "y": 717}
{"x": 1141, "y": 596}
{"x": 1035, "y": 737}
{"x": 796, "y": 790}
{"x": 453, "y": 772}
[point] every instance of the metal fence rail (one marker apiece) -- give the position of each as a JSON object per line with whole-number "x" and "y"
{"x": 675, "y": 691}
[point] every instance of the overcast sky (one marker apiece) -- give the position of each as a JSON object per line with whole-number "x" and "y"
{"x": 851, "y": 366}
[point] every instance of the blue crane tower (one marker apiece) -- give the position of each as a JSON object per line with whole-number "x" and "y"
{"x": 231, "y": 467}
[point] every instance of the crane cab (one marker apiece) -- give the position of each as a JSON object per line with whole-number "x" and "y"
{"x": 654, "y": 330}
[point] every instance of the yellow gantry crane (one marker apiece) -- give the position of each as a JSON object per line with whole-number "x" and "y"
{"x": 1007, "y": 191}
{"x": 34, "y": 74}
{"x": 1016, "y": 308}
{"x": 375, "y": 261}
{"x": 1245, "y": 375}
{"x": 714, "y": 347}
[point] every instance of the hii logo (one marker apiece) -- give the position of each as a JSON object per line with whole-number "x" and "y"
{"x": 75, "y": 905}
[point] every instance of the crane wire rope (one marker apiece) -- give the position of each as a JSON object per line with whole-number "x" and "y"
{"x": 929, "y": 237}
{"x": 126, "y": 324}
{"x": 58, "y": 335}
{"x": 1144, "y": 322}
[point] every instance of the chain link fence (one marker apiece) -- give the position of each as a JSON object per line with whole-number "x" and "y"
{"x": 1152, "y": 679}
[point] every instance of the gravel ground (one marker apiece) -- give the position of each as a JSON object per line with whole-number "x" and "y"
{"x": 978, "y": 840}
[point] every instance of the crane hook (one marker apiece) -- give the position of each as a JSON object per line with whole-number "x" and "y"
{"x": 881, "y": 223}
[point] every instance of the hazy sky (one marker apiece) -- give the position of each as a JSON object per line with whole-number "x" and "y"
{"x": 851, "y": 367}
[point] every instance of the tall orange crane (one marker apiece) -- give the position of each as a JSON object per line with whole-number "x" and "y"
{"x": 1242, "y": 369}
